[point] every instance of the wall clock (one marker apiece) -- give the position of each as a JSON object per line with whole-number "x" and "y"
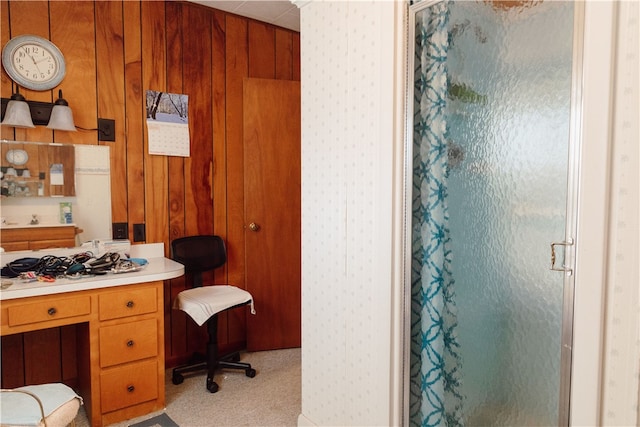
{"x": 33, "y": 62}
{"x": 17, "y": 157}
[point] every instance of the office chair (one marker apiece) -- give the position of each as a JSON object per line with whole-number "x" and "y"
{"x": 203, "y": 303}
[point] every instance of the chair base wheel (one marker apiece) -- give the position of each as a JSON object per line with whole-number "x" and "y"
{"x": 212, "y": 386}
{"x": 177, "y": 379}
{"x": 250, "y": 372}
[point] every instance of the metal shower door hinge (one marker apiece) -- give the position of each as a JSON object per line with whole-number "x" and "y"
{"x": 564, "y": 267}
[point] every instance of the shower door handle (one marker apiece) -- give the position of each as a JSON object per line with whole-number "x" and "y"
{"x": 564, "y": 267}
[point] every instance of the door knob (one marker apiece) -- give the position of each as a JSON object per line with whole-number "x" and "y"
{"x": 254, "y": 227}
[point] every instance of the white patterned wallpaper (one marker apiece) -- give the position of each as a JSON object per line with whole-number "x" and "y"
{"x": 347, "y": 160}
{"x": 621, "y": 404}
{"x": 348, "y": 285}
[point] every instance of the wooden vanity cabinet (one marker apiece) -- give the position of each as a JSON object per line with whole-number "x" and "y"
{"x": 35, "y": 238}
{"x": 131, "y": 341}
{"x": 120, "y": 344}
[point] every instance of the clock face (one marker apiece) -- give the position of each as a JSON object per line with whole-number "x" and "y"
{"x": 17, "y": 157}
{"x": 33, "y": 62}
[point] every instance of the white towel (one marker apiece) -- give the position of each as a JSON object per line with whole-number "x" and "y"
{"x": 203, "y": 302}
{"x": 21, "y": 409}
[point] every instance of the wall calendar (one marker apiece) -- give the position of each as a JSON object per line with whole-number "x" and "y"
{"x": 168, "y": 123}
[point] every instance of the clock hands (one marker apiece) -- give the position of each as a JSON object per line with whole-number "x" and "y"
{"x": 32, "y": 59}
{"x": 35, "y": 63}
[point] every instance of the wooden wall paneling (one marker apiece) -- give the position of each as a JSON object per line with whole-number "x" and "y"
{"x": 175, "y": 325}
{"x": 32, "y": 17}
{"x": 262, "y": 50}
{"x": 43, "y": 166}
{"x": 12, "y": 359}
{"x": 5, "y": 35}
{"x": 4, "y": 148}
{"x": 42, "y": 357}
{"x": 154, "y": 66}
{"x": 110, "y": 64}
{"x": 134, "y": 113}
{"x": 198, "y": 85}
{"x": 73, "y": 30}
{"x": 64, "y": 155}
{"x": 176, "y": 347}
{"x": 197, "y": 68}
{"x": 69, "y": 354}
{"x": 218, "y": 40}
{"x": 284, "y": 54}
{"x": 84, "y": 367}
{"x": 237, "y": 68}
{"x": 175, "y": 85}
{"x": 229, "y": 339}
{"x": 175, "y": 320}
{"x": 6, "y": 88}
{"x": 296, "y": 56}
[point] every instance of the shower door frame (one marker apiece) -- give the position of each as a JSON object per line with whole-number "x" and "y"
{"x": 572, "y": 204}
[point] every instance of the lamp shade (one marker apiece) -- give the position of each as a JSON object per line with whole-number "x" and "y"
{"x": 18, "y": 114}
{"x": 61, "y": 118}
{"x": 61, "y": 115}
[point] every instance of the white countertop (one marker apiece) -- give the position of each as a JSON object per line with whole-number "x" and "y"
{"x": 11, "y": 225}
{"x": 158, "y": 268}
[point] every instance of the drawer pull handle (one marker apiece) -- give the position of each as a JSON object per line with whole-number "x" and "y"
{"x": 130, "y": 304}
{"x": 52, "y": 311}
{"x": 130, "y": 343}
{"x": 130, "y": 388}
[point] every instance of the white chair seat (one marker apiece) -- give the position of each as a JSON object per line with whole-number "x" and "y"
{"x": 203, "y": 302}
{"x": 39, "y": 405}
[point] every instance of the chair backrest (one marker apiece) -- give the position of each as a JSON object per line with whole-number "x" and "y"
{"x": 199, "y": 254}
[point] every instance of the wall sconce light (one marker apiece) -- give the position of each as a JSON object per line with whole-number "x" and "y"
{"x": 20, "y": 113}
{"x": 61, "y": 115}
{"x": 17, "y": 112}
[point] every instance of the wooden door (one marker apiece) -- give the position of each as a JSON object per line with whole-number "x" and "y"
{"x": 271, "y": 134}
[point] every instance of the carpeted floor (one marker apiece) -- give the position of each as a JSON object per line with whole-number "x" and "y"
{"x": 272, "y": 398}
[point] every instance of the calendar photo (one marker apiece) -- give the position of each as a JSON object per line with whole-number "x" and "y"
{"x": 168, "y": 123}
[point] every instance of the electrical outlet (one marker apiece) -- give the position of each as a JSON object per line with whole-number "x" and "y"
{"x": 106, "y": 130}
{"x": 139, "y": 233}
{"x": 120, "y": 230}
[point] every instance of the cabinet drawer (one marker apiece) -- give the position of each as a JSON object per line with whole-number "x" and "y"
{"x": 114, "y": 305}
{"x": 129, "y": 385}
{"x": 128, "y": 342}
{"x": 67, "y": 232}
{"x": 14, "y": 246}
{"x": 48, "y": 244}
{"x": 48, "y": 310}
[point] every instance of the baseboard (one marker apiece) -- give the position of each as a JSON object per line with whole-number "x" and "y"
{"x": 305, "y": 422}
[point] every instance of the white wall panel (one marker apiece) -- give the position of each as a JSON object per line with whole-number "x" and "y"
{"x": 622, "y": 337}
{"x": 347, "y": 226}
{"x": 347, "y": 165}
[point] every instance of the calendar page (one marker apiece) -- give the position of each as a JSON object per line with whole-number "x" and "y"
{"x": 168, "y": 123}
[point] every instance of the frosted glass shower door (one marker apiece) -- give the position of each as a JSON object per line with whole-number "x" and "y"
{"x": 508, "y": 118}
